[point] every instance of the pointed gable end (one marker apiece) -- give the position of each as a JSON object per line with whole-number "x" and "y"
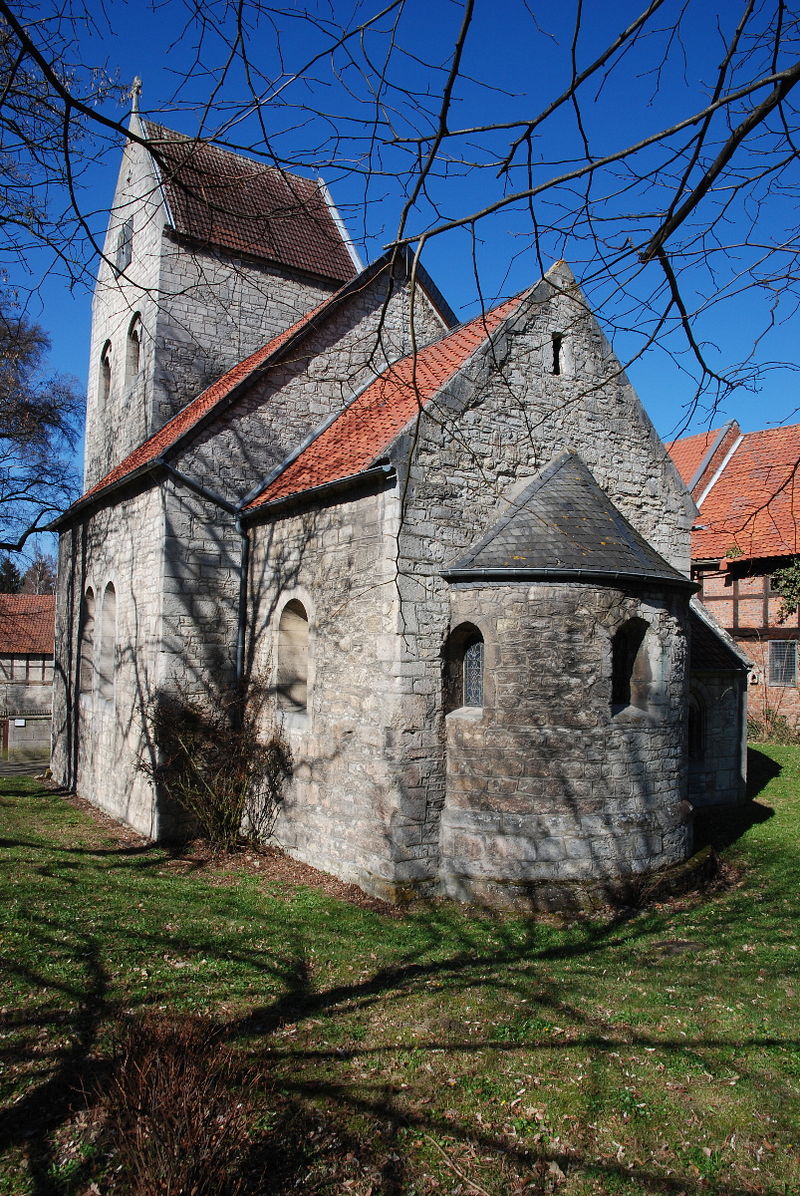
{"x": 364, "y": 431}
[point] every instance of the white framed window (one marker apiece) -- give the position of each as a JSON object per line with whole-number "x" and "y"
{"x": 782, "y": 662}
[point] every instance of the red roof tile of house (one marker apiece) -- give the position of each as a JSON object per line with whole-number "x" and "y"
{"x": 199, "y": 408}
{"x": 27, "y": 624}
{"x": 224, "y": 199}
{"x": 688, "y": 452}
{"x": 753, "y": 508}
{"x": 366, "y": 428}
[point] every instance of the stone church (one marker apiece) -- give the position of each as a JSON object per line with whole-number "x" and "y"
{"x": 458, "y": 552}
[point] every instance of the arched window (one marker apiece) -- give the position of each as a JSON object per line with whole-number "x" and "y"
{"x": 463, "y": 668}
{"x": 292, "y": 680}
{"x": 86, "y": 676}
{"x": 108, "y": 644}
{"x": 124, "y": 252}
{"x": 630, "y": 667}
{"x": 105, "y": 373}
{"x": 133, "y": 351}
{"x": 697, "y": 728}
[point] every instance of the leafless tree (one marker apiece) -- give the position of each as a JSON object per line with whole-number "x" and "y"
{"x": 660, "y": 157}
{"x": 38, "y": 427}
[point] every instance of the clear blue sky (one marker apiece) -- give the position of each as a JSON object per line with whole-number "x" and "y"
{"x": 510, "y": 68}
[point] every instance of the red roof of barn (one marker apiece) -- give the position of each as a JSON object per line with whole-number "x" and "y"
{"x": 224, "y": 199}
{"x": 27, "y": 623}
{"x": 368, "y": 425}
{"x": 753, "y": 508}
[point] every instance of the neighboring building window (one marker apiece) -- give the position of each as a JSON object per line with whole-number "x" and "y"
{"x": 124, "y": 246}
{"x": 463, "y": 668}
{"x": 133, "y": 353}
{"x": 105, "y": 373}
{"x": 782, "y": 662}
{"x": 630, "y": 670}
{"x": 108, "y": 643}
{"x": 292, "y": 680}
{"x": 86, "y": 681}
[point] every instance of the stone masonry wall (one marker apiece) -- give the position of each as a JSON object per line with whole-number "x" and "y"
{"x": 329, "y": 367}
{"x": 548, "y": 788}
{"x": 343, "y": 811}
{"x": 493, "y": 429}
{"x": 98, "y": 741}
{"x": 719, "y": 775}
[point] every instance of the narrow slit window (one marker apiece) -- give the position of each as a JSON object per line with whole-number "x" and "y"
{"x": 124, "y": 246}
{"x": 108, "y": 644}
{"x": 473, "y": 673}
{"x": 86, "y": 683}
{"x": 293, "y": 658}
{"x": 134, "y": 348}
{"x": 105, "y": 373}
{"x": 558, "y": 342}
{"x": 463, "y": 668}
{"x": 630, "y": 670}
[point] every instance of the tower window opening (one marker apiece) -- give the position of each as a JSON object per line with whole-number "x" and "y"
{"x": 105, "y": 373}
{"x": 558, "y": 341}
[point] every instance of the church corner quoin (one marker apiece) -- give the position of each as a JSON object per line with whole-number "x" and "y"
{"x": 457, "y": 554}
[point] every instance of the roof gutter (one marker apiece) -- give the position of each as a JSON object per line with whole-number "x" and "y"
{"x": 354, "y": 481}
{"x": 555, "y": 573}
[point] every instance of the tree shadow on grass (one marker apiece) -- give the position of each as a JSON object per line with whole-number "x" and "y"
{"x": 333, "y": 1110}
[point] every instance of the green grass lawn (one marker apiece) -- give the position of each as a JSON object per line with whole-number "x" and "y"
{"x": 440, "y": 1051}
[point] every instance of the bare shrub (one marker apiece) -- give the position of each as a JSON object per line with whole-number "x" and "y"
{"x": 214, "y": 761}
{"x": 175, "y": 1114}
{"x": 772, "y": 727}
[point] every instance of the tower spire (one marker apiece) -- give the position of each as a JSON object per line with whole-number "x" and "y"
{"x": 135, "y": 92}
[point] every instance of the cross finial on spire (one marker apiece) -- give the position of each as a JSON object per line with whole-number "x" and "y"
{"x": 135, "y": 92}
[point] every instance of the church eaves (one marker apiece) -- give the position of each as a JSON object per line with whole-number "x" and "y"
{"x": 220, "y": 198}
{"x": 564, "y": 525}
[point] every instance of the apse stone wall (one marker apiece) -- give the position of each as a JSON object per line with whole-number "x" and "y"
{"x": 553, "y": 795}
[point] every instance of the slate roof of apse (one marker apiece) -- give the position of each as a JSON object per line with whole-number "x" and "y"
{"x": 753, "y": 508}
{"x": 563, "y": 523}
{"x": 221, "y": 198}
{"x": 27, "y": 623}
{"x": 365, "y": 429}
{"x": 711, "y": 649}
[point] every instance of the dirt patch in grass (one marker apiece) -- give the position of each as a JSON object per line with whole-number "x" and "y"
{"x": 269, "y": 863}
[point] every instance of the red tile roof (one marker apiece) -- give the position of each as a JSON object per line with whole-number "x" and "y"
{"x": 753, "y": 509}
{"x": 688, "y": 452}
{"x": 366, "y": 428}
{"x": 27, "y": 623}
{"x": 202, "y": 406}
{"x": 221, "y": 198}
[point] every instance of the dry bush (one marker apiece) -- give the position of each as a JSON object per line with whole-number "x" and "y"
{"x": 175, "y": 1113}
{"x": 215, "y": 762}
